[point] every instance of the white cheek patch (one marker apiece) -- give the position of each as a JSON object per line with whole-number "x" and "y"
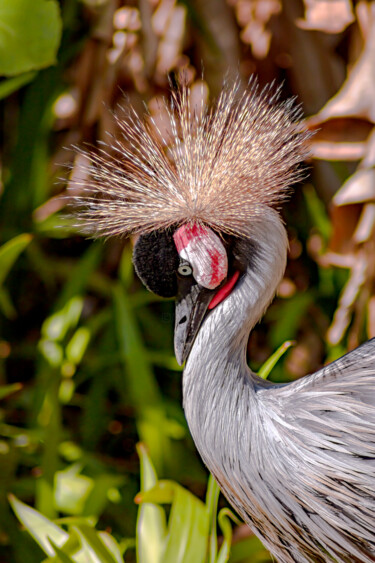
{"x": 203, "y": 249}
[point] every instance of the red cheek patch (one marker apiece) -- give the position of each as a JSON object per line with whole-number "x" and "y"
{"x": 224, "y": 291}
{"x": 203, "y": 249}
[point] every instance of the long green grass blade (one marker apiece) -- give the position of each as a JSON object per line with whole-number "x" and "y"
{"x": 270, "y": 363}
{"x": 9, "y": 253}
{"x": 212, "y": 499}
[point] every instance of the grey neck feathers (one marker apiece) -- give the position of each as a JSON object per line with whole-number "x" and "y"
{"x": 217, "y": 380}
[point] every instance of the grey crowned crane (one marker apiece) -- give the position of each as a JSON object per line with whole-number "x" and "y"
{"x": 297, "y": 461}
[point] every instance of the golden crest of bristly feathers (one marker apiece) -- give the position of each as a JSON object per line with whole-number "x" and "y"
{"x": 220, "y": 167}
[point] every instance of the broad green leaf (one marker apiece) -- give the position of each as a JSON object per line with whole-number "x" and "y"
{"x": 40, "y": 527}
{"x": 188, "y": 527}
{"x": 151, "y": 522}
{"x": 269, "y": 364}
{"x": 93, "y": 545}
{"x": 30, "y": 34}
{"x": 188, "y": 524}
{"x": 161, "y": 493}
{"x": 10, "y": 251}
{"x": 72, "y": 490}
{"x": 63, "y": 557}
{"x": 112, "y": 546}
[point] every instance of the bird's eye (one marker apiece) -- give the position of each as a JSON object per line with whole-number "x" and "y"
{"x": 185, "y": 269}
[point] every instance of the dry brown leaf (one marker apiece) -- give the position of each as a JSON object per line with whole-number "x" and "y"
{"x": 340, "y": 139}
{"x": 256, "y": 35}
{"x": 371, "y": 317}
{"x": 343, "y": 313}
{"x": 170, "y": 45}
{"x": 253, "y": 16}
{"x": 358, "y": 188}
{"x": 161, "y": 16}
{"x": 325, "y": 150}
{"x": 344, "y": 223}
{"x": 331, "y": 16}
{"x": 369, "y": 157}
{"x": 356, "y": 97}
{"x": 366, "y": 224}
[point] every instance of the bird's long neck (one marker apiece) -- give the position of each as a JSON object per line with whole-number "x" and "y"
{"x": 218, "y": 386}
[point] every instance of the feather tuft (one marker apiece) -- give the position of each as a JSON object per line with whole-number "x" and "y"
{"x": 219, "y": 167}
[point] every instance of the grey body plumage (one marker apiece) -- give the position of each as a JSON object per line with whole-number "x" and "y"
{"x": 296, "y": 460}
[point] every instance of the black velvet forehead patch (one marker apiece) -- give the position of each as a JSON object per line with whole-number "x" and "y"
{"x": 156, "y": 260}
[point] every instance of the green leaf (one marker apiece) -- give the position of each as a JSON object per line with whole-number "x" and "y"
{"x": 104, "y": 485}
{"x": 289, "y": 315}
{"x": 188, "y": 523}
{"x": 10, "y": 251}
{"x": 151, "y": 522}
{"x": 142, "y": 385}
{"x": 269, "y": 364}
{"x": 57, "y": 325}
{"x": 77, "y": 345}
{"x": 318, "y": 212}
{"x": 30, "y": 34}
{"x": 40, "y": 527}
{"x": 249, "y": 550}
{"x": 10, "y": 85}
{"x": 62, "y": 556}
{"x": 187, "y": 529}
{"x": 212, "y": 499}
{"x": 93, "y": 545}
{"x": 6, "y": 305}
{"x": 6, "y": 390}
{"x": 51, "y": 351}
{"x": 71, "y": 490}
{"x": 112, "y": 546}
{"x": 225, "y": 516}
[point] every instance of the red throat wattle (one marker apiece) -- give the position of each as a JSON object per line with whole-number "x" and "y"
{"x": 224, "y": 291}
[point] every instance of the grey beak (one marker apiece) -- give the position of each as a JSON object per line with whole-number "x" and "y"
{"x": 191, "y": 307}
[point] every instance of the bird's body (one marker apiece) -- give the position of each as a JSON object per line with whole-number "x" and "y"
{"x": 298, "y": 460}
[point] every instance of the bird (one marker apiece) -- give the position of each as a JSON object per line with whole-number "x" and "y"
{"x": 296, "y": 460}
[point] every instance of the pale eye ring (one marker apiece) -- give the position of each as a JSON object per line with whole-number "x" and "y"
{"x": 185, "y": 269}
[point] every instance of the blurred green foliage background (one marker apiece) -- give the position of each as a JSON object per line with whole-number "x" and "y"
{"x": 86, "y": 360}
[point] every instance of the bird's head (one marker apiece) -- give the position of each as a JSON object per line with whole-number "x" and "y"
{"x": 194, "y": 265}
{"x": 193, "y": 195}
